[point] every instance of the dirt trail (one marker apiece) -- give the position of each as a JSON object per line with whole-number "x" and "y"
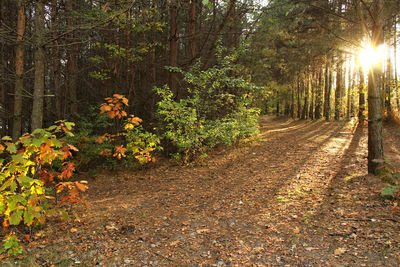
{"x": 296, "y": 195}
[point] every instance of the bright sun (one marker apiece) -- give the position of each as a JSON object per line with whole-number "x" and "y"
{"x": 370, "y": 56}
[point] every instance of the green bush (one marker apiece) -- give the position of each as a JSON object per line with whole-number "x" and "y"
{"x": 217, "y": 109}
{"x": 111, "y": 137}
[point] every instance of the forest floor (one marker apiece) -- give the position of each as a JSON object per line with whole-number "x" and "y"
{"x": 298, "y": 194}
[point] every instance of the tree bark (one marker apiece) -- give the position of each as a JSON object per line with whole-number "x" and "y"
{"x": 339, "y": 87}
{"x": 312, "y": 103}
{"x": 38, "y": 91}
{"x": 298, "y": 98}
{"x": 72, "y": 61}
{"x": 328, "y": 88}
{"x": 19, "y": 70}
{"x": 192, "y": 29}
{"x": 4, "y": 120}
{"x": 55, "y": 54}
{"x": 375, "y": 142}
{"x": 173, "y": 43}
{"x": 348, "y": 89}
{"x": 318, "y": 99}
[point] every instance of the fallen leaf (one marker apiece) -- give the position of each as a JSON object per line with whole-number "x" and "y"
{"x": 73, "y": 230}
{"x": 174, "y": 243}
{"x": 340, "y": 251}
{"x": 203, "y": 231}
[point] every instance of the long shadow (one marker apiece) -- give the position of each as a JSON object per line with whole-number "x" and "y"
{"x": 335, "y": 182}
{"x": 295, "y": 145}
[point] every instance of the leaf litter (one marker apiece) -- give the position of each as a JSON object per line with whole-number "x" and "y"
{"x": 297, "y": 194}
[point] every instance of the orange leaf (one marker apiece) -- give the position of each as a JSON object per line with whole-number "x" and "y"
{"x": 125, "y": 101}
{"x": 81, "y": 187}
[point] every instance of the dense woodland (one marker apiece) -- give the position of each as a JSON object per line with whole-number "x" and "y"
{"x": 113, "y": 82}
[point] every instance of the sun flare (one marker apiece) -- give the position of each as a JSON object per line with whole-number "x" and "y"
{"x": 370, "y": 56}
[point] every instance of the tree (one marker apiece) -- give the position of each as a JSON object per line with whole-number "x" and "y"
{"x": 19, "y": 70}
{"x": 375, "y": 115}
{"x": 40, "y": 57}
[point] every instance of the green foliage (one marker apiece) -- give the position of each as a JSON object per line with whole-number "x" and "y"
{"x": 217, "y": 109}
{"x": 141, "y": 144}
{"x": 121, "y": 139}
{"x": 391, "y": 176}
{"x": 11, "y": 245}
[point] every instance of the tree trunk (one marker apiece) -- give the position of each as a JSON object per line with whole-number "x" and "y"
{"x": 304, "y": 114}
{"x": 318, "y": 99}
{"x": 298, "y": 98}
{"x": 55, "y": 54}
{"x": 173, "y": 43}
{"x": 19, "y": 71}
{"x": 292, "y": 102}
{"x": 388, "y": 100}
{"x": 339, "y": 87}
{"x": 328, "y": 88}
{"x": 277, "y": 104}
{"x": 192, "y": 29}
{"x": 3, "y": 109}
{"x": 361, "y": 95}
{"x": 348, "y": 89}
{"x": 231, "y": 8}
{"x": 38, "y": 92}
{"x": 312, "y": 87}
{"x": 72, "y": 61}
{"x": 375, "y": 142}
{"x": 395, "y": 62}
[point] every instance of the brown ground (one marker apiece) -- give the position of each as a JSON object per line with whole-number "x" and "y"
{"x": 296, "y": 195}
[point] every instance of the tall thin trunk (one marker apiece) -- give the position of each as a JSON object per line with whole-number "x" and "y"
{"x": 19, "y": 70}
{"x": 388, "y": 100}
{"x": 328, "y": 87}
{"x": 72, "y": 61}
{"x": 304, "y": 114}
{"x": 318, "y": 98}
{"x": 192, "y": 29}
{"x": 292, "y": 102}
{"x": 4, "y": 121}
{"x": 375, "y": 141}
{"x": 298, "y": 98}
{"x": 361, "y": 95}
{"x": 173, "y": 43}
{"x": 349, "y": 88}
{"x": 395, "y": 62}
{"x": 55, "y": 54}
{"x": 312, "y": 103}
{"x": 339, "y": 87}
{"x": 277, "y": 104}
{"x": 38, "y": 91}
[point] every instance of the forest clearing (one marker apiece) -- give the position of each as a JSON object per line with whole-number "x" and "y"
{"x": 298, "y": 194}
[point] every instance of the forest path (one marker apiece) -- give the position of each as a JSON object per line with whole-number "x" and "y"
{"x": 297, "y": 194}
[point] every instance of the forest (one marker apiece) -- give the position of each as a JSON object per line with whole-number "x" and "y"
{"x": 199, "y": 133}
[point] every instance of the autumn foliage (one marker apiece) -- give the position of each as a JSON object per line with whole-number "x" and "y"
{"x": 28, "y": 179}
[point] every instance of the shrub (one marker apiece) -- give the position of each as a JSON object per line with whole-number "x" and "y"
{"x": 27, "y": 178}
{"x": 111, "y": 136}
{"x": 216, "y": 110}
